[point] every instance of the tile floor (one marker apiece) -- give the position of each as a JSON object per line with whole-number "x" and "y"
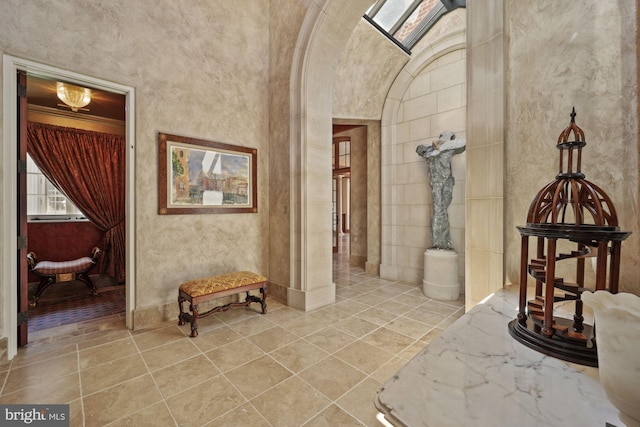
{"x": 285, "y": 368}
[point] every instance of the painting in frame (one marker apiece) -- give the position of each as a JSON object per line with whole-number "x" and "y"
{"x": 196, "y": 176}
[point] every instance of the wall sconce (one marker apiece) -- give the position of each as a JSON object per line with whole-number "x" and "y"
{"x": 74, "y": 97}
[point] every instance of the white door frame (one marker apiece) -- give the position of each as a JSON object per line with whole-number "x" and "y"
{"x": 9, "y": 260}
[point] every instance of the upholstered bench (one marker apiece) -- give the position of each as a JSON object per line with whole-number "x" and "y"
{"x": 208, "y": 288}
{"x": 62, "y": 271}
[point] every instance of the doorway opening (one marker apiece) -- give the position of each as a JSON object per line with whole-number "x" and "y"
{"x": 85, "y": 118}
{"x": 353, "y": 187}
{"x": 341, "y": 200}
{"x": 14, "y": 116}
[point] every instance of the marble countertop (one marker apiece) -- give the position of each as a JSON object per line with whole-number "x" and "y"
{"x": 476, "y": 374}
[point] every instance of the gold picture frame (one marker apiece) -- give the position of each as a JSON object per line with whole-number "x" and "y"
{"x": 197, "y": 176}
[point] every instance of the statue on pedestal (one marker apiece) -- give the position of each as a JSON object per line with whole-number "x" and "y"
{"x": 438, "y": 155}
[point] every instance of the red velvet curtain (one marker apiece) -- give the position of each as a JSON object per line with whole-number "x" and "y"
{"x": 89, "y": 168}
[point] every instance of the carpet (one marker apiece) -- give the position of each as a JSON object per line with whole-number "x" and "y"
{"x": 74, "y": 309}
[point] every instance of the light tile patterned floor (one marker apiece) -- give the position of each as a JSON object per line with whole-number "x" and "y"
{"x": 285, "y": 368}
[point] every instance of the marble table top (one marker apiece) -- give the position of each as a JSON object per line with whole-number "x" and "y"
{"x": 476, "y": 374}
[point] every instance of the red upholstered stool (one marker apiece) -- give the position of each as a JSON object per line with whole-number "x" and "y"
{"x": 62, "y": 271}
{"x": 208, "y": 288}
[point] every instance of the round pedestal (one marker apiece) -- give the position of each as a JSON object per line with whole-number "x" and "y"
{"x": 441, "y": 275}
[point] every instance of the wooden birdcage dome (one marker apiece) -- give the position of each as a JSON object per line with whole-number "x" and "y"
{"x": 571, "y": 199}
{"x": 574, "y": 210}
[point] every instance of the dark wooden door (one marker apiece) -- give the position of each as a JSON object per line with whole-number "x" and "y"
{"x": 23, "y": 271}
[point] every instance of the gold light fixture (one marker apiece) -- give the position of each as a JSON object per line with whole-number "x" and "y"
{"x": 75, "y": 97}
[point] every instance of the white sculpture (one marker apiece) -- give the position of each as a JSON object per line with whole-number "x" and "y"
{"x": 438, "y": 155}
{"x": 617, "y": 322}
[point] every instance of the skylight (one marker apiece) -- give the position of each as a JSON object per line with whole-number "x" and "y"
{"x": 405, "y": 22}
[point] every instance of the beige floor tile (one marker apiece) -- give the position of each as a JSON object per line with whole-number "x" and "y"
{"x": 257, "y": 376}
{"x": 180, "y": 376}
{"x": 328, "y": 315}
{"x": 348, "y": 293}
{"x": 388, "y": 340}
{"x": 107, "y": 352}
{"x": 283, "y": 315}
{"x": 440, "y": 307}
{"x": 356, "y": 326}
{"x": 76, "y": 416}
{"x": 395, "y": 307}
{"x": 104, "y": 337}
{"x": 298, "y": 355}
{"x": 218, "y": 337}
{"x": 411, "y": 351}
{"x": 389, "y": 369}
{"x": 373, "y": 299}
{"x": 303, "y": 326}
{"x": 155, "y": 415}
{"x": 273, "y": 338}
{"x": 32, "y": 375}
{"x": 59, "y": 389}
{"x": 64, "y": 330}
{"x": 251, "y": 325}
{"x": 429, "y": 336}
{"x": 123, "y": 399}
{"x": 393, "y": 290}
{"x": 158, "y": 337}
{"x": 351, "y": 306}
{"x": 111, "y": 373}
{"x": 168, "y": 354}
{"x": 333, "y": 416}
{"x": 364, "y": 356}
{"x": 376, "y": 316}
{"x": 235, "y": 354}
{"x": 359, "y": 402}
{"x": 411, "y": 298}
{"x": 409, "y": 327}
{"x": 421, "y": 314}
{"x": 243, "y": 416}
{"x": 241, "y": 313}
{"x": 330, "y": 339}
{"x": 215, "y": 397}
{"x": 39, "y": 353}
{"x": 332, "y": 377}
{"x": 290, "y": 404}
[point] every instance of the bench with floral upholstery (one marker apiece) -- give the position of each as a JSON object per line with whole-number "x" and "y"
{"x": 208, "y": 288}
{"x": 62, "y": 271}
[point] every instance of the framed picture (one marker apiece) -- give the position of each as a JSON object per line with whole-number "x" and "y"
{"x": 197, "y": 176}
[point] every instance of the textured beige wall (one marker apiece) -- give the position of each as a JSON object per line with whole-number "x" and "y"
{"x": 214, "y": 86}
{"x": 360, "y": 87}
{"x": 592, "y": 66}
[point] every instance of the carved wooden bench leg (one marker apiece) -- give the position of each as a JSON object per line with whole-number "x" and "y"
{"x": 84, "y": 278}
{"x": 194, "y": 320}
{"x": 42, "y": 286}
{"x": 182, "y": 317}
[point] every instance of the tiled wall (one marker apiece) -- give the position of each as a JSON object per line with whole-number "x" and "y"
{"x": 434, "y": 101}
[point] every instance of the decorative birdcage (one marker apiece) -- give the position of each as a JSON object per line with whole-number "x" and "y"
{"x": 573, "y": 209}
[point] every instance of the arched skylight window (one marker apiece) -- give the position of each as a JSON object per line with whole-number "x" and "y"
{"x": 405, "y": 22}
